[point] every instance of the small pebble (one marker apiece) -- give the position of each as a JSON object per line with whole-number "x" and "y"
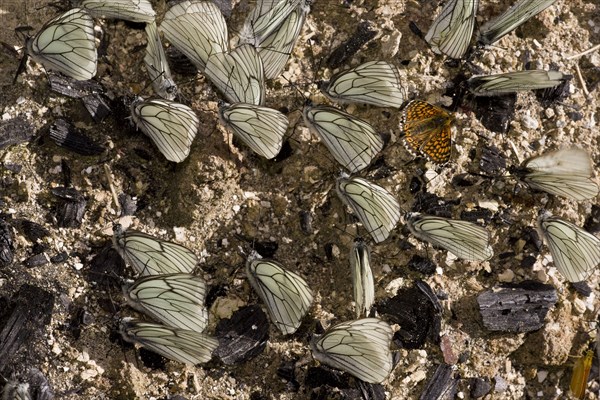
{"x": 506, "y": 276}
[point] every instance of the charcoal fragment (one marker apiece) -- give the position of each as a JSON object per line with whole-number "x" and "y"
{"x": 72, "y": 88}
{"x": 66, "y": 173}
{"x": 59, "y": 258}
{"x": 65, "y": 135}
{"x": 344, "y": 52}
{"x": 70, "y": 207}
{"x": 477, "y": 215}
{"x": 429, "y": 203}
{"x": 422, "y": 265}
{"x": 520, "y": 307}
{"x": 31, "y": 230}
{"x": 592, "y": 222}
{"x": 37, "y": 260}
{"x": 23, "y": 321}
{"x": 128, "y": 204}
{"x": 479, "y": 387}
{"x": 324, "y": 376}
{"x": 554, "y": 94}
{"x": 418, "y": 316}
{"x": 491, "y": 161}
{"x": 287, "y": 372}
{"x": 15, "y": 131}
{"x": 306, "y": 219}
{"x": 582, "y": 288}
{"x": 495, "y": 112}
{"x": 464, "y": 180}
{"x": 6, "y": 244}
{"x": 33, "y": 385}
{"x": 152, "y": 360}
{"x": 243, "y": 336}
{"x": 266, "y": 249}
{"x": 106, "y": 268}
{"x": 441, "y": 386}
{"x": 371, "y": 391}
{"x": 97, "y": 105}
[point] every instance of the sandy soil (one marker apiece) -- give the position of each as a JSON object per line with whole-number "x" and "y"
{"x": 223, "y": 193}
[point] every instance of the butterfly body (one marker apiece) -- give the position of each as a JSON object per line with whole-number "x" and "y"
{"x": 427, "y": 131}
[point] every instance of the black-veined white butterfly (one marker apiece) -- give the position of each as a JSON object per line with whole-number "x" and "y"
{"x": 157, "y": 65}
{"x": 286, "y": 294}
{"x": 197, "y": 29}
{"x": 376, "y": 208}
{"x": 274, "y": 41}
{"x": 181, "y": 345}
{"x": 66, "y": 44}
{"x": 129, "y": 10}
{"x": 264, "y": 19}
{"x": 464, "y": 239}
{"x": 575, "y": 252}
{"x": 149, "y": 255}
{"x": 374, "y": 82}
{"x": 175, "y": 300}
{"x": 360, "y": 347}
{"x": 352, "y": 142}
{"x": 171, "y": 126}
{"x": 516, "y": 15}
{"x": 494, "y": 85}
{"x": 238, "y": 74}
{"x": 362, "y": 277}
{"x": 566, "y": 173}
{"x": 451, "y": 32}
{"x": 261, "y": 128}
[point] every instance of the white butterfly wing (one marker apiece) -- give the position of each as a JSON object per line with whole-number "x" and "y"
{"x": 286, "y": 294}
{"x": 181, "y": 345}
{"x": 360, "y": 347}
{"x": 498, "y": 84}
{"x": 566, "y": 173}
{"x": 575, "y": 252}
{"x": 129, "y": 10}
{"x": 149, "y": 255}
{"x": 451, "y": 31}
{"x": 464, "y": 239}
{"x": 197, "y": 29}
{"x": 516, "y": 15}
{"x": 275, "y": 49}
{"x": 362, "y": 277}
{"x": 374, "y": 82}
{"x": 376, "y": 208}
{"x": 171, "y": 126}
{"x": 157, "y": 65}
{"x": 175, "y": 300}
{"x": 67, "y": 44}
{"x": 352, "y": 142}
{"x": 239, "y": 75}
{"x": 265, "y": 18}
{"x": 261, "y": 128}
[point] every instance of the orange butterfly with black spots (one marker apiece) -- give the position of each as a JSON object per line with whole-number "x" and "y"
{"x": 427, "y": 131}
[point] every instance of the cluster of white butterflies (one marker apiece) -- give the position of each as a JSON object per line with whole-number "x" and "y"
{"x": 565, "y": 173}
{"x": 168, "y": 292}
{"x": 451, "y": 32}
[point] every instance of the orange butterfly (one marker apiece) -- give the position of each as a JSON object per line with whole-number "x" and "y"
{"x": 427, "y": 131}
